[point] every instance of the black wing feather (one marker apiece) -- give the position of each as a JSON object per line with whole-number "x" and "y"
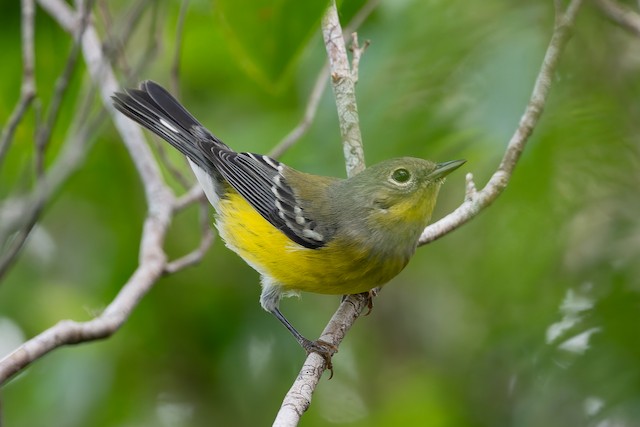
{"x": 262, "y": 184}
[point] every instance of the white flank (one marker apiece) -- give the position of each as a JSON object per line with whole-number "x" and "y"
{"x": 207, "y": 183}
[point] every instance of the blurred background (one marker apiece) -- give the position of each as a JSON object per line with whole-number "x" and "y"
{"x": 526, "y": 316}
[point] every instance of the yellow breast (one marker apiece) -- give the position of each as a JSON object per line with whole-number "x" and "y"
{"x": 340, "y": 267}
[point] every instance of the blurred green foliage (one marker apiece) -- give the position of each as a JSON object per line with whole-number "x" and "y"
{"x": 526, "y": 316}
{"x": 266, "y": 36}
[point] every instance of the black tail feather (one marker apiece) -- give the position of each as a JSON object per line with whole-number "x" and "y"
{"x": 157, "y": 110}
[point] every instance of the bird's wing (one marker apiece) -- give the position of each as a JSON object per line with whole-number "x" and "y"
{"x": 260, "y": 180}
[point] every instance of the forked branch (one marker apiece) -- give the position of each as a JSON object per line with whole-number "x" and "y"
{"x": 298, "y": 399}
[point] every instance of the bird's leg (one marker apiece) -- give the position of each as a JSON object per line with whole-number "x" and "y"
{"x": 323, "y": 348}
{"x": 270, "y": 300}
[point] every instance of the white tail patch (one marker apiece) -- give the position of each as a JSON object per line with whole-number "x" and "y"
{"x": 171, "y": 127}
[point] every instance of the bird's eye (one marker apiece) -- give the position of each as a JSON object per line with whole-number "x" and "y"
{"x": 401, "y": 175}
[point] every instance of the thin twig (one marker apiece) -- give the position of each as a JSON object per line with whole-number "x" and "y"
{"x": 175, "y": 64}
{"x": 176, "y": 173}
{"x": 207, "y": 237}
{"x": 621, "y": 14}
{"x": 19, "y": 215}
{"x": 18, "y": 239}
{"x": 479, "y": 200}
{"x": 31, "y": 212}
{"x": 114, "y": 46}
{"x": 357, "y": 52}
{"x": 28, "y": 86}
{"x": 307, "y": 119}
{"x": 194, "y": 194}
{"x": 43, "y": 135}
{"x": 359, "y": 18}
{"x": 15, "y": 211}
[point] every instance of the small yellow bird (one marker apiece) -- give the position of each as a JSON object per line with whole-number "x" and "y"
{"x": 301, "y": 232}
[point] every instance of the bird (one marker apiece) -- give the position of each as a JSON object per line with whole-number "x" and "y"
{"x": 300, "y": 232}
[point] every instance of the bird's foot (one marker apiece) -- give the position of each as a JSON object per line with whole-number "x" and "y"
{"x": 324, "y": 349}
{"x": 370, "y": 296}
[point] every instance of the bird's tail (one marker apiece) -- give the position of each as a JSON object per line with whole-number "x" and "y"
{"x": 155, "y": 108}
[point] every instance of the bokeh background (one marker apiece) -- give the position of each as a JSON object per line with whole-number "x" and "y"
{"x": 526, "y": 316}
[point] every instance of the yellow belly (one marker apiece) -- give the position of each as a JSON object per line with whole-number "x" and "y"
{"x": 336, "y": 268}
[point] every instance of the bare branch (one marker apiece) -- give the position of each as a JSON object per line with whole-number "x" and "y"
{"x": 175, "y": 65}
{"x": 321, "y": 81}
{"x": 160, "y": 200}
{"x": 68, "y": 332}
{"x": 343, "y": 78}
{"x": 621, "y": 14}
{"x": 171, "y": 168}
{"x": 101, "y": 72}
{"x": 194, "y": 194}
{"x": 43, "y": 136}
{"x": 344, "y": 90}
{"x": 195, "y": 256}
{"x": 19, "y": 215}
{"x": 357, "y": 51}
{"x": 18, "y": 240}
{"x": 360, "y": 17}
{"x": 298, "y": 398}
{"x": 28, "y": 217}
{"x": 114, "y": 45}
{"x": 28, "y": 86}
{"x": 476, "y": 201}
{"x": 307, "y": 119}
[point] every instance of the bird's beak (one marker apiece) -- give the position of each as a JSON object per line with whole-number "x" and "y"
{"x": 445, "y": 168}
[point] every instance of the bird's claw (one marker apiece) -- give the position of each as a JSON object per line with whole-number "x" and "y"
{"x": 324, "y": 349}
{"x": 370, "y": 296}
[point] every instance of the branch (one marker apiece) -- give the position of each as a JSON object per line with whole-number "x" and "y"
{"x": 43, "y": 134}
{"x": 621, "y": 14}
{"x": 21, "y": 227}
{"x": 343, "y": 79}
{"x": 114, "y": 46}
{"x": 161, "y": 206}
{"x": 206, "y": 239}
{"x": 152, "y": 259}
{"x": 194, "y": 194}
{"x": 19, "y": 215}
{"x": 344, "y": 90}
{"x": 321, "y": 82}
{"x": 177, "y": 53}
{"x": 476, "y": 201}
{"x": 357, "y": 52}
{"x": 298, "y": 399}
{"x": 307, "y": 119}
{"x": 28, "y": 86}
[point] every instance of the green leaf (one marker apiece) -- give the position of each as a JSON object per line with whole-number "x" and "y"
{"x": 267, "y": 35}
